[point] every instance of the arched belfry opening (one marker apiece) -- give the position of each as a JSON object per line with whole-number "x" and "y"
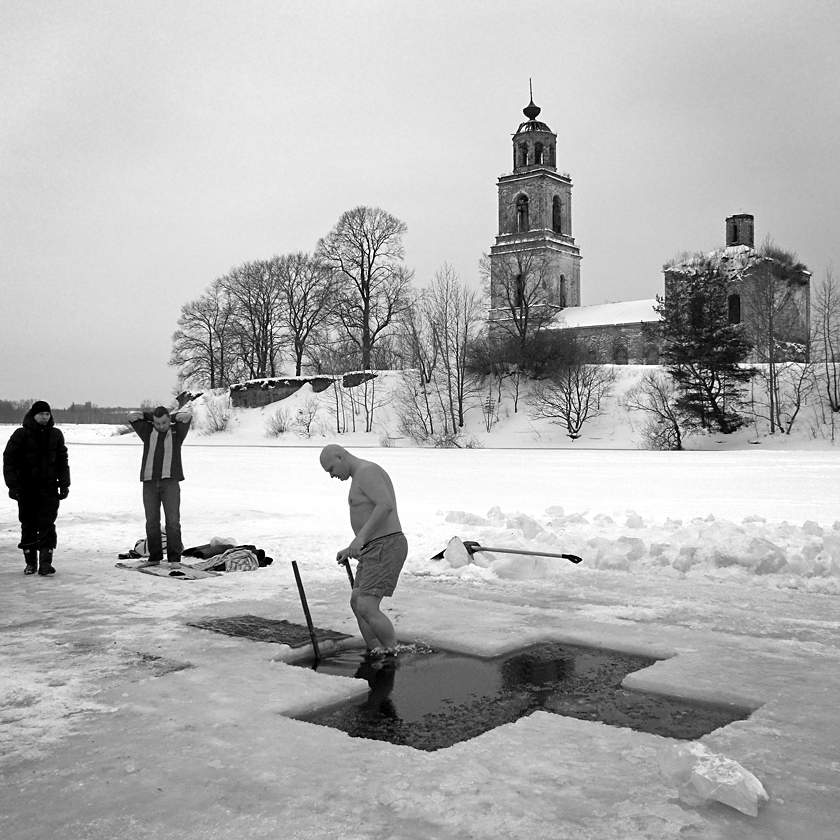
{"x": 557, "y": 214}
{"x": 734, "y": 303}
{"x": 523, "y": 221}
{"x": 519, "y": 292}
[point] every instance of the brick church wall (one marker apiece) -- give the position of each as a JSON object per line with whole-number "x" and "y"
{"x": 620, "y": 344}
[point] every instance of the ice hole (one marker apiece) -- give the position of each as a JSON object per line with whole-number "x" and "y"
{"x": 434, "y": 700}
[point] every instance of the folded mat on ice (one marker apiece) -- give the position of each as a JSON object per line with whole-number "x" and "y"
{"x": 165, "y": 570}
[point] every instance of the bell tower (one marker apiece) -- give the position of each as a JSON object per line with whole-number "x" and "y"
{"x": 535, "y": 259}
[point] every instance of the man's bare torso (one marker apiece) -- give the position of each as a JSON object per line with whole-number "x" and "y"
{"x": 370, "y": 483}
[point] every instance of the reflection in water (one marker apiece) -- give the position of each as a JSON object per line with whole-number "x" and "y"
{"x": 538, "y": 670}
{"x": 380, "y": 677}
{"x": 433, "y": 700}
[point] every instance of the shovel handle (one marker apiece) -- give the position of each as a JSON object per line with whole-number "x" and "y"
{"x": 306, "y": 612}
{"x": 472, "y": 547}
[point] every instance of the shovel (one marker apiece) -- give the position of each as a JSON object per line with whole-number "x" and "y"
{"x": 346, "y": 564}
{"x": 471, "y": 546}
{"x": 306, "y": 612}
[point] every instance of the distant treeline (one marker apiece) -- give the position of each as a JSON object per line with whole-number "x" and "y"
{"x": 13, "y": 411}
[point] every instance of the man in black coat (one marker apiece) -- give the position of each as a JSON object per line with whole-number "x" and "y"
{"x": 37, "y": 473}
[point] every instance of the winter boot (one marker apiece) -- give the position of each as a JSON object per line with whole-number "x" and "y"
{"x": 46, "y": 567}
{"x": 31, "y": 562}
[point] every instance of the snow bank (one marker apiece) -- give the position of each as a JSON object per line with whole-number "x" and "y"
{"x": 780, "y": 554}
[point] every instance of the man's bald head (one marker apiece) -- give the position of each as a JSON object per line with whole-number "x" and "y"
{"x": 336, "y": 460}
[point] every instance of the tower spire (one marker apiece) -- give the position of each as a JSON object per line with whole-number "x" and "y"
{"x": 532, "y": 111}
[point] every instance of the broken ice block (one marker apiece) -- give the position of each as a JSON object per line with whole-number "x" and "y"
{"x": 456, "y": 553}
{"x": 703, "y": 776}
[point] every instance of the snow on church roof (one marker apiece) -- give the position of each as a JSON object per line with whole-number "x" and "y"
{"x": 733, "y": 257}
{"x": 603, "y": 314}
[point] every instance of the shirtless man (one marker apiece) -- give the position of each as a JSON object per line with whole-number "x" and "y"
{"x": 379, "y": 545}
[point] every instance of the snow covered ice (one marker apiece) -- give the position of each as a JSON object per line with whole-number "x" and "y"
{"x": 119, "y": 720}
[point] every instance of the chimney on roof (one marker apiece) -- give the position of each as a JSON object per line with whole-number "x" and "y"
{"x": 740, "y": 230}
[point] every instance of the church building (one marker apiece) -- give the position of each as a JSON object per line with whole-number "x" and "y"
{"x": 535, "y": 265}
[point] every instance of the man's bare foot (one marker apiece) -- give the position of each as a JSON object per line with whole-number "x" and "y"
{"x": 382, "y": 653}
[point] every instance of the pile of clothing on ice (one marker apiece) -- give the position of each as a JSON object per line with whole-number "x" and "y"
{"x": 221, "y": 554}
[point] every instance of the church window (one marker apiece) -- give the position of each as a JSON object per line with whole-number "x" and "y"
{"x": 620, "y": 356}
{"x": 557, "y": 215}
{"x": 551, "y": 161}
{"x": 538, "y": 154}
{"x": 651, "y": 355}
{"x": 522, "y": 220}
{"x": 523, "y": 154}
{"x": 563, "y": 290}
{"x": 734, "y": 309}
{"x": 519, "y": 292}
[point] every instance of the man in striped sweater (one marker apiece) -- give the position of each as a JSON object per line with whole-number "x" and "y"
{"x": 162, "y": 434}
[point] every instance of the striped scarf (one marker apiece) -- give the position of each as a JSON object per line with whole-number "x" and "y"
{"x": 158, "y": 461}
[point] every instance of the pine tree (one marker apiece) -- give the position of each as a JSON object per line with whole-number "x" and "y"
{"x": 702, "y": 350}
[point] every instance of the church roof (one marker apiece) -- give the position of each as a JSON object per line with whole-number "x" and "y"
{"x": 532, "y": 123}
{"x": 606, "y": 314}
{"x": 735, "y": 258}
{"x": 732, "y": 260}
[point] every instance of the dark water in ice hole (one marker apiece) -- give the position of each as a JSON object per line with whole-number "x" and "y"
{"x": 433, "y": 700}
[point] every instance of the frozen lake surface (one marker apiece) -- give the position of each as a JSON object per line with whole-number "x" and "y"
{"x": 125, "y": 721}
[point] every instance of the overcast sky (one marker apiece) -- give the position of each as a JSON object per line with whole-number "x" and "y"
{"x": 146, "y": 148}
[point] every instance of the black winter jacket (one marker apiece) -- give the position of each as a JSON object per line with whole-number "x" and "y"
{"x": 35, "y": 458}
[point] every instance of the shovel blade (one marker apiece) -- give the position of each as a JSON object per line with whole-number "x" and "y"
{"x": 457, "y": 552}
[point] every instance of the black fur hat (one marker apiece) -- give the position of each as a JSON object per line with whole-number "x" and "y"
{"x": 38, "y": 406}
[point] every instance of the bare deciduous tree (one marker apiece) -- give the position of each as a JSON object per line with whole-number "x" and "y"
{"x": 655, "y": 397}
{"x": 256, "y": 295}
{"x": 454, "y": 314}
{"x": 487, "y": 365}
{"x": 419, "y": 409}
{"x": 572, "y": 395}
{"x": 201, "y": 346}
{"x": 308, "y": 290}
{"x": 774, "y": 323}
{"x": 779, "y": 398}
{"x": 306, "y": 414}
{"x": 826, "y": 349}
{"x": 365, "y": 253}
